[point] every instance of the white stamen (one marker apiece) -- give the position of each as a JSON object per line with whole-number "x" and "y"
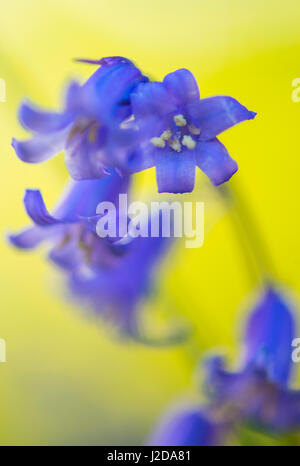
{"x": 158, "y": 142}
{"x": 188, "y": 142}
{"x": 175, "y": 145}
{"x": 179, "y": 120}
{"x": 194, "y": 130}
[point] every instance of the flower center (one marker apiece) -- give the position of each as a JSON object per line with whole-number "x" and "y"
{"x": 82, "y": 125}
{"x": 182, "y": 136}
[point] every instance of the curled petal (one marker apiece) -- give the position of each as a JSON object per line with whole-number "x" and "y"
{"x": 175, "y": 172}
{"x": 30, "y": 238}
{"x": 41, "y": 121}
{"x": 40, "y": 147}
{"x": 81, "y": 198}
{"x": 269, "y": 333}
{"x": 216, "y": 114}
{"x": 183, "y": 86}
{"x": 37, "y": 211}
{"x": 214, "y": 160}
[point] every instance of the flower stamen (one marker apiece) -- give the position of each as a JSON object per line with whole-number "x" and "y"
{"x": 194, "y": 130}
{"x": 92, "y": 134}
{"x": 175, "y": 145}
{"x": 166, "y": 135}
{"x": 158, "y": 142}
{"x": 188, "y": 142}
{"x": 179, "y": 120}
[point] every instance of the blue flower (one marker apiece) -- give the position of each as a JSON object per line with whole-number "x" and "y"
{"x": 111, "y": 277}
{"x": 88, "y": 128}
{"x": 179, "y": 131}
{"x": 74, "y": 245}
{"x": 258, "y": 393}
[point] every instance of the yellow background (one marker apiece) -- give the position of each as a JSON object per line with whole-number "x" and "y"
{"x": 67, "y": 379}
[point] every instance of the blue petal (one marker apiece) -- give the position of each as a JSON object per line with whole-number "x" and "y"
{"x": 82, "y": 197}
{"x": 30, "y": 238}
{"x": 110, "y": 87}
{"x": 40, "y": 147}
{"x": 151, "y": 98}
{"x": 79, "y": 200}
{"x": 189, "y": 427}
{"x": 37, "y": 120}
{"x": 183, "y": 86}
{"x": 175, "y": 172}
{"x": 214, "y": 160}
{"x": 269, "y": 333}
{"x": 106, "y": 61}
{"x": 37, "y": 211}
{"x": 140, "y": 160}
{"x": 216, "y": 114}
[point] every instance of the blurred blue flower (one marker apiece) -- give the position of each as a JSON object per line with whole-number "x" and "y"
{"x": 88, "y": 128}
{"x": 258, "y": 393}
{"x": 110, "y": 276}
{"x": 74, "y": 244}
{"x": 178, "y": 132}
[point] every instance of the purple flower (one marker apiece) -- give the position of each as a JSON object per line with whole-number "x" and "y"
{"x": 88, "y": 128}
{"x": 258, "y": 393}
{"x": 74, "y": 245}
{"x": 179, "y": 132}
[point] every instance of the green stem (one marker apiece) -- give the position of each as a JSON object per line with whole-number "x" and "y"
{"x": 255, "y": 251}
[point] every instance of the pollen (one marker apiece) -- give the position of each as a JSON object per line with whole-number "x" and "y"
{"x": 179, "y": 120}
{"x": 166, "y": 135}
{"x": 188, "y": 142}
{"x": 158, "y": 142}
{"x": 92, "y": 134}
{"x": 175, "y": 145}
{"x": 194, "y": 130}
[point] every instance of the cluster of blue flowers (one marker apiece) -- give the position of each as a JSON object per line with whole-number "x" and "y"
{"x": 118, "y": 120}
{"x": 114, "y": 125}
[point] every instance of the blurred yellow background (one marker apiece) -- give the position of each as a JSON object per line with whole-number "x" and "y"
{"x": 67, "y": 379}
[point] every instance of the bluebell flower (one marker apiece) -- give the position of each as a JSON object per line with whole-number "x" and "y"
{"x": 186, "y": 427}
{"x": 73, "y": 244}
{"x": 178, "y": 132}
{"x": 259, "y": 392}
{"x": 257, "y": 395}
{"x": 110, "y": 276}
{"x": 88, "y": 128}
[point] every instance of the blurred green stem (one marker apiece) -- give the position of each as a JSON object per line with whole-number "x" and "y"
{"x": 256, "y": 254}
